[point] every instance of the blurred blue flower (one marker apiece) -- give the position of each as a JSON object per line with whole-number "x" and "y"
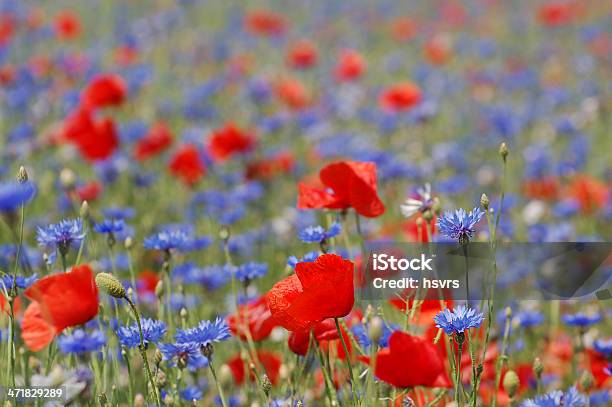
{"x": 317, "y": 234}
{"x": 580, "y": 319}
{"x": 191, "y": 393}
{"x": 186, "y": 354}
{"x": 152, "y": 331}
{"x": 21, "y": 282}
{"x": 166, "y": 241}
{"x": 557, "y": 398}
{"x": 109, "y": 226}
{"x": 14, "y": 194}
{"x": 250, "y": 271}
{"x": 61, "y": 235}
{"x": 206, "y": 332}
{"x": 80, "y": 341}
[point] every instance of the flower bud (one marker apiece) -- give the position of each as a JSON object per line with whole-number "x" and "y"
{"x": 158, "y": 357}
{"x": 503, "y": 150}
{"x": 484, "y": 201}
{"x": 586, "y": 380}
{"x": 266, "y": 384}
{"x": 183, "y": 313}
{"x": 139, "y": 401}
{"x": 102, "y": 399}
{"x": 84, "y": 211}
{"x": 538, "y": 367}
{"x": 511, "y": 383}
{"x": 67, "y": 178}
{"x": 508, "y": 312}
{"x": 110, "y": 284}
{"x": 160, "y": 379}
{"x": 22, "y": 175}
{"x": 376, "y": 329}
{"x": 159, "y": 289}
{"x": 128, "y": 243}
{"x": 224, "y": 233}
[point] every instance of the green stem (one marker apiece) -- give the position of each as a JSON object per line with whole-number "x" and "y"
{"x": 219, "y": 388}
{"x": 347, "y": 358}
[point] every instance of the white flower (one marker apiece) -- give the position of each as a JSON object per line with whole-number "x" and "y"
{"x": 414, "y": 205}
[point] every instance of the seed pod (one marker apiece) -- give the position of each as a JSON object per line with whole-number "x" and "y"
{"x": 22, "y": 175}
{"x": 538, "y": 367}
{"x": 503, "y": 150}
{"x": 110, "y": 284}
{"x": 511, "y": 383}
{"x": 266, "y": 384}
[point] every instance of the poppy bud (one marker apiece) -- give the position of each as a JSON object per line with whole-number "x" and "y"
{"x": 511, "y": 383}
{"x": 586, "y": 380}
{"x": 139, "y": 400}
{"x": 538, "y": 367}
{"x": 84, "y": 211}
{"x": 159, "y": 289}
{"x": 266, "y": 384}
{"x": 110, "y": 284}
{"x": 375, "y": 330}
{"x": 160, "y": 379}
{"x": 225, "y": 375}
{"x": 503, "y": 150}
{"x": 484, "y": 201}
{"x": 128, "y": 243}
{"x": 508, "y": 312}
{"x": 224, "y": 233}
{"x": 158, "y": 356}
{"x": 22, "y": 175}
{"x": 67, "y": 178}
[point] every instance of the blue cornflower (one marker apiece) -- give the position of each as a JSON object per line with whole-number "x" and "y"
{"x": 528, "y": 319}
{"x": 599, "y": 398}
{"x": 167, "y": 240}
{"x": 185, "y": 354}
{"x": 191, "y": 393}
{"x": 581, "y": 320}
{"x": 21, "y": 282}
{"x": 292, "y": 261}
{"x": 14, "y": 194}
{"x": 361, "y": 334}
{"x": 61, "y": 235}
{"x": 109, "y": 226}
{"x": 458, "y": 320}
{"x": 603, "y": 346}
{"x": 317, "y": 234}
{"x": 116, "y": 212}
{"x": 250, "y": 271}
{"x": 460, "y": 225}
{"x": 232, "y": 401}
{"x": 80, "y": 341}
{"x": 152, "y": 331}
{"x": 557, "y": 398}
{"x": 205, "y": 333}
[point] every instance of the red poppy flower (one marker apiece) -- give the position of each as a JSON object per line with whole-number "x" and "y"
{"x": 265, "y": 22}
{"x": 556, "y": 13}
{"x": 95, "y": 139}
{"x": 353, "y": 184}
{"x": 257, "y": 316}
{"x": 187, "y": 165}
{"x": 403, "y": 29}
{"x": 426, "y": 367}
{"x": 589, "y": 192}
{"x": 125, "y": 55}
{"x": 543, "y": 188}
{"x": 415, "y": 233}
{"x": 429, "y": 306}
{"x": 146, "y": 282}
{"x": 104, "y": 90}
{"x": 229, "y": 140}
{"x": 89, "y": 192}
{"x": 7, "y": 28}
{"x": 270, "y": 361}
{"x": 292, "y": 93}
{"x": 59, "y": 301}
{"x": 325, "y": 333}
{"x": 438, "y": 50}
{"x": 598, "y": 363}
{"x": 154, "y": 142}
{"x": 400, "y": 97}
{"x": 351, "y": 66}
{"x": 67, "y": 25}
{"x": 268, "y": 168}
{"x": 318, "y": 290}
{"x": 303, "y": 54}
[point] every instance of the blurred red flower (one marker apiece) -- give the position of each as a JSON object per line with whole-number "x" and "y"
{"x": 268, "y": 168}
{"x": 353, "y": 184}
{"x": 59, "y": 301}
{"x": 146, "y": 282}
{"x": 229, "y": 140}
{"x": 270, "y": 361}
{"x": 400, "y": 97}
{"x": 426, "y": 365}
{"x": 104, "y": 90}
{"x": 67, "y": 25}
{"x": 256, "y": 316}
{"x": 157, "y": 139}
{"x": 95, "y": 139}
{"x": 187, "y": 165}
{"x": 89, "y": 192}
{"x": 351, "y": 66}
{"x": 542, "y": 188}
{"x": 292, "y": 93}
{"x": 265, "y": 22}
{"x": 302, "y": 54}
{"x": 438, "y": 50}
{"x": 556, "y": 13}
{"x": 317, "y": 291}
{"x": 589, "y": 192}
